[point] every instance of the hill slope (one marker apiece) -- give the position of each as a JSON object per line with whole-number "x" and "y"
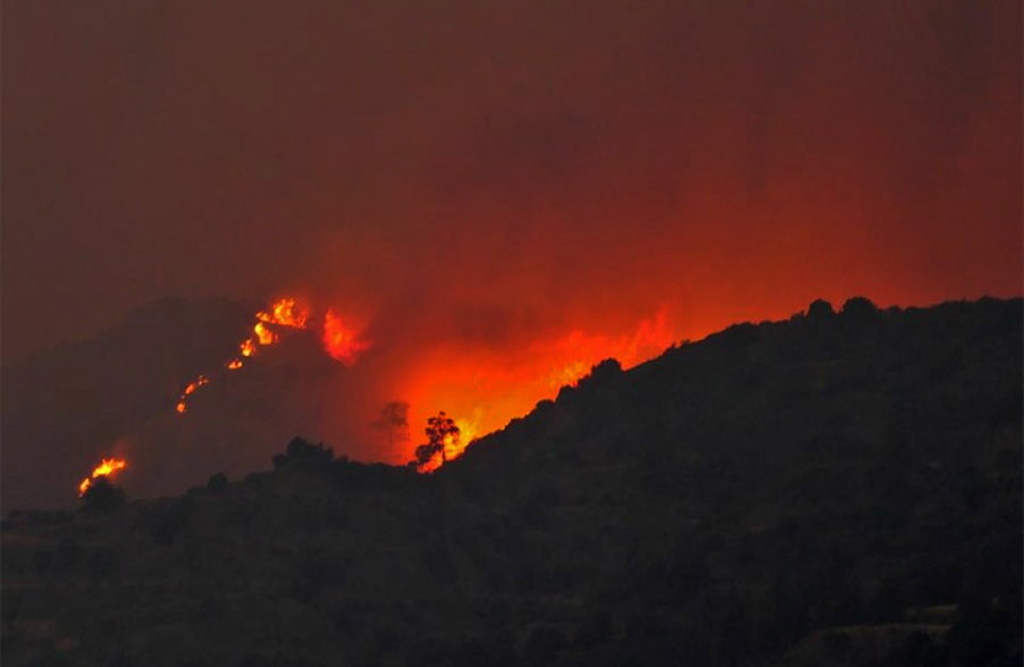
{"x": 835, "y": 488}
{"x": 115, "y": 394}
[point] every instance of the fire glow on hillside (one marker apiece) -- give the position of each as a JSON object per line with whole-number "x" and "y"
{"x": 340, "y": 340}
{"x": 481, "y": 387}
{"x": 484, "y": 389}
{"x": 285, "y": 313}
{"x": 107, "y": 468}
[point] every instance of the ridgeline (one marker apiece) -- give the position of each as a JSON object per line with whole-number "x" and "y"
{"x": 838, "y": 488}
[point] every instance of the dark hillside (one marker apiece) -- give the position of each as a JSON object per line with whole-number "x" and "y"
{"x": 64, "y": 408}
{"x": 840, "y": 488}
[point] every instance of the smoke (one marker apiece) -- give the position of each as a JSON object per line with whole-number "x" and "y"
{"x": 545, "y": 155}
{"x": 472, "y": 186}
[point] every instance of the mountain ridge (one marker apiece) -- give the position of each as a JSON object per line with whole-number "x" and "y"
{"x": 796, "y": 492}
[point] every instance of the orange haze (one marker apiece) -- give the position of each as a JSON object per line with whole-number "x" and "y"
{"x": 496, "y": 195}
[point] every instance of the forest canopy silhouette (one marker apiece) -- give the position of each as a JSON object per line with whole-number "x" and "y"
{"x": 840, "y": 487}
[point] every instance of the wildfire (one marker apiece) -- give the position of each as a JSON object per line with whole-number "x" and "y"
{"x": 342, "y": 341}
{"x": 182, "y": 406}
{"x": 264, "y": 335}
{"x": 485, "y": 385}
{"x": 454, "y": 445}
{"x": 283, "y": 313}
{"x": 247, "y": 349}
{"x": 107, "y": 468}
{"x": 488, "y": 388}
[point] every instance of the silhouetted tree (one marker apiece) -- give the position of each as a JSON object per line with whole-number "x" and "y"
{"x": 217, "y": 483}
{"x": 102, "y": 496}
{"x": 860, "y": 307}
{"x": 439, "y": 429}
{"x": 819, "y": 310}
{"x": 301, "y": 449}
{"x": 606, "y": 370}
{"x": 394, "y": 420}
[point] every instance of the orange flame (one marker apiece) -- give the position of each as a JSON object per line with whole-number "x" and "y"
{"x": 454, "y": 445}
{"x": 342, "y": 341}
{"x": 247, "y": 348}
{"x": 264, "y": 335}
{"x": 106, "y": 468}
{"x": 200, "y": 381}
{"x": 285, "y": 312}
{"x": 488, "y": 388}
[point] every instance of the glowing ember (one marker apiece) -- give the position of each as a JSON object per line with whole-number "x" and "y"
{"x": 200, "y": 381}
{"x": 342, "y": 341}
{"x": 182, "y": 406}
{"x": 247, "y": 348}
{"x": 234, "y": 364}
{"x": 107, "y": 468}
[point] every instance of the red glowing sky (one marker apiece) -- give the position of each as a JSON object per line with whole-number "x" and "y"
{"x": 475, "y": 183}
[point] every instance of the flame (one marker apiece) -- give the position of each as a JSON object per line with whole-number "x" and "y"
{"x": 200, "y": 381}
{"x": 106, "y": 468}
{"x": 454, "y": 444}
{"x": 247, "y": 347}
{"x": 285, "y": 312}
{"x": 182, "y": 406}
{"x": 487, "y": 388}
{"x": 342, "y": 341}
{"x": 264, "y": 335}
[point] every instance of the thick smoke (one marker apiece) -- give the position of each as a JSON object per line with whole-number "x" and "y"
{"x": 544, "y": 162}
{"x": 472, "y": 184}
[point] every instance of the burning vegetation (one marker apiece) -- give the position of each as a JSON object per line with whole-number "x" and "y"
{"x": 107, "y": 468}
{"x": 283, "y": 313}
{"x": 190, "y": 389}
{"x": 481, "y": 389}
{"x": 340, "y": 340}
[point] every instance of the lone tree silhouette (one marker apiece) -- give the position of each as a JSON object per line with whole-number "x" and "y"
{"x": 394, "y": 420}
{"x": 440, "y": 429}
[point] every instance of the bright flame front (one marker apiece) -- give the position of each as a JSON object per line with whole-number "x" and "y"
{"x": 107, "y": 468}
{"x": 283, "y": 313}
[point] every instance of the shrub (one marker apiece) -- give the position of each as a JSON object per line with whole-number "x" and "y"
{"x": 102, "y": 496}
{"x": 819, "y": 310}
{"x": 860, "y": 307}
{"x": 217, "y": 483}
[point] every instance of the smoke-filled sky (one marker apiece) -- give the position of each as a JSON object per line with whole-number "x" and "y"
{"x": 500, "y": 174}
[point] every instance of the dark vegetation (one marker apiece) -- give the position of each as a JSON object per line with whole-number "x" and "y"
{"x": 440, "y": 429}
{"x": 841, "y": 488}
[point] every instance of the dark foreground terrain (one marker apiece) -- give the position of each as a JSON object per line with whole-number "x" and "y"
{"x": 841, "y": 488}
